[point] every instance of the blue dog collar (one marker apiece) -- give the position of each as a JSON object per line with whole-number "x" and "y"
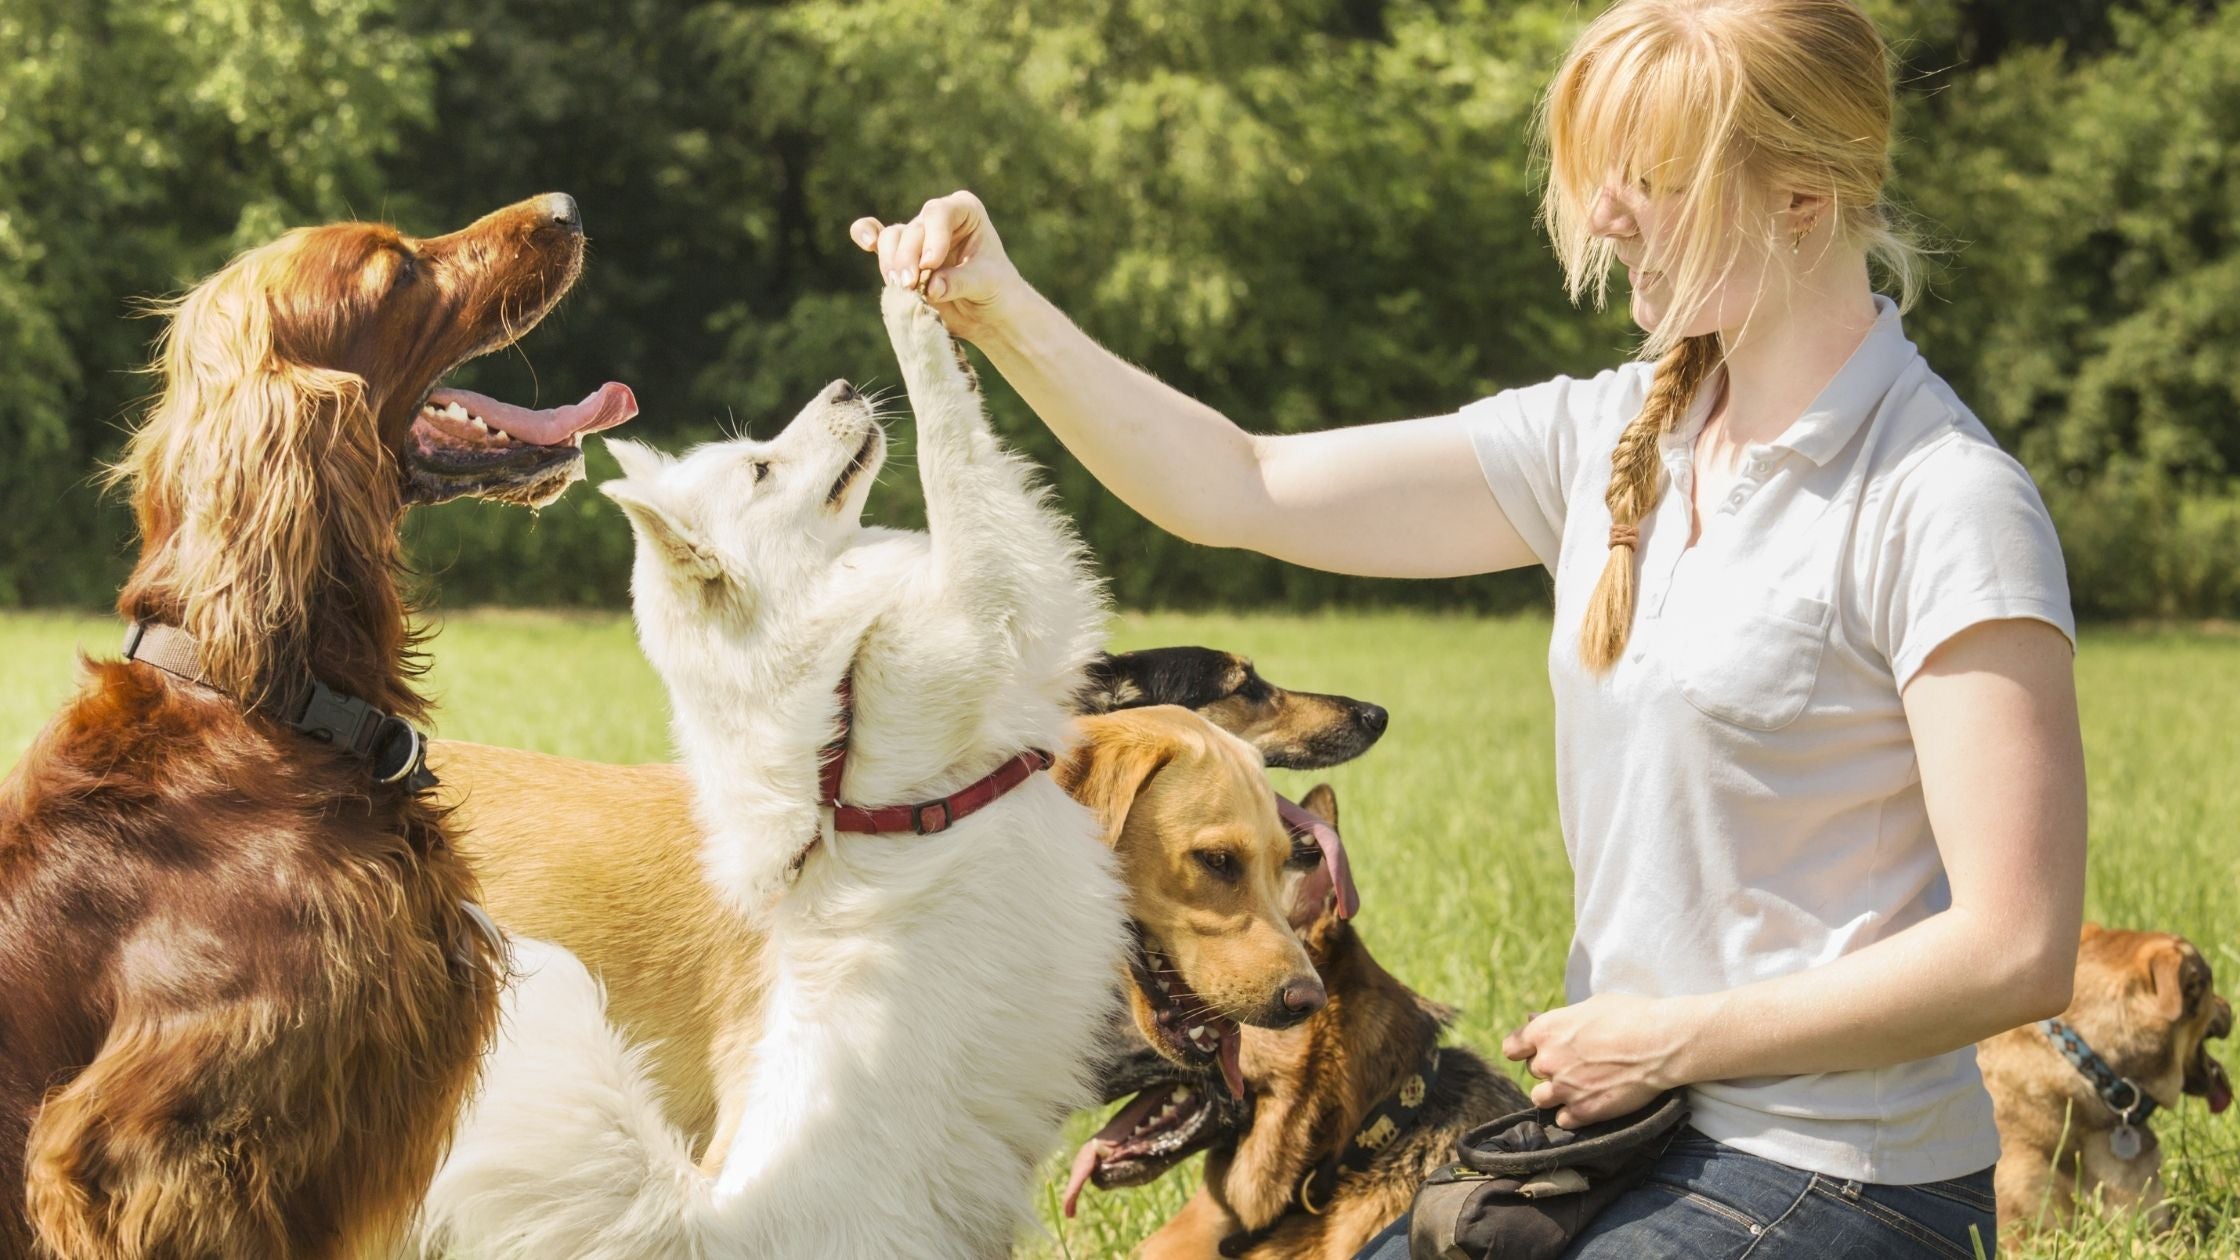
{"x": 2132, "y": 1105}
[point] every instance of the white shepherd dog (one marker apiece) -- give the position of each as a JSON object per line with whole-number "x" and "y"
{"x": 932, "y": 1002}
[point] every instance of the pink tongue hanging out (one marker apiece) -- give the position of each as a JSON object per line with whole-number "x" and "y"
{"x": 1124, "y": 1122}
{"x": 2220, "y": 1088}
{"x": 603, "y": 408}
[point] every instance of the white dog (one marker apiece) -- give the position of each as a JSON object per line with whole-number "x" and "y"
{"x": 932, "y": 1001}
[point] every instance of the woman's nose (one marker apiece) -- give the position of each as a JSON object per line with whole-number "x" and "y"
{"x": 1609, "y": 216}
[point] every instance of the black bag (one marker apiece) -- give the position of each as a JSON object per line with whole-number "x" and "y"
{"x": 1524, "y": 1188}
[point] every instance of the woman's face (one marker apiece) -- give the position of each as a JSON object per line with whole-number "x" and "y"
{"x": 1639, "y": 223}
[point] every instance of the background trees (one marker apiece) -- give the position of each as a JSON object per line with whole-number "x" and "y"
{"x": 1307, "y": 212}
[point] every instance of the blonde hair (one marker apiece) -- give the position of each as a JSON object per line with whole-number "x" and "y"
{"x": 1702, "y": 102}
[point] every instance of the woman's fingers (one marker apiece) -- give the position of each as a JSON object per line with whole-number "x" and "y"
{"x": 941, "y": 217}
{"x": 890, "y": 257}
{"x": 865, "y": 233}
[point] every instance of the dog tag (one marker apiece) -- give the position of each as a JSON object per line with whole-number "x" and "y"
{"x": 2124, "y": 1142}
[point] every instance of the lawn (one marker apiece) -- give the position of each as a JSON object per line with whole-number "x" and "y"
{"x": 1452, "y": 818}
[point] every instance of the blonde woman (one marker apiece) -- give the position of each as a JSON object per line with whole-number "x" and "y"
{"x": 1817, "y": 752}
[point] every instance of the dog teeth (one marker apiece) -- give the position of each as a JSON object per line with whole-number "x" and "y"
{"x": 1181, "y": 1095}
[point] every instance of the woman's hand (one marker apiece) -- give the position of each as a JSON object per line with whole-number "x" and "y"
{"x": 1604, "y": 1057}
{"x": 952, "y": 254}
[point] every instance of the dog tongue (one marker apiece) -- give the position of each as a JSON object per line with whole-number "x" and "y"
{"x": 1304, "y": 822}
{"x": 1084, "y": 1164}
{"x": 603, "y": 408}
{"x": 2220, "y": 1088}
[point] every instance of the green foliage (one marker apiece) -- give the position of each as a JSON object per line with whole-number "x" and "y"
{"x": 1306, "y": 212}
{"x": 141, "y": 142}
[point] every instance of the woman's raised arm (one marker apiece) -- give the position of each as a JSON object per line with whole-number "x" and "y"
{"x": 1403, "y": 499}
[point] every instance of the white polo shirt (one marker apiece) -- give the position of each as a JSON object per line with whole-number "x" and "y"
{"x": 1739, "y": 794}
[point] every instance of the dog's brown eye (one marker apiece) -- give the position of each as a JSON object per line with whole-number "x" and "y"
{"x": 1219, "y": 862}
{"x": 1305, "y": 857}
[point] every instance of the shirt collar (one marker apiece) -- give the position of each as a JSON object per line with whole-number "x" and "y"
{"x": 1833, "y": 419}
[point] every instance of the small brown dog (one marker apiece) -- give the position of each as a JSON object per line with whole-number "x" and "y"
{"x": 1343, "y": 1119}
{"x": 605, "y": 861}
{"x": 2134, "y": 1040}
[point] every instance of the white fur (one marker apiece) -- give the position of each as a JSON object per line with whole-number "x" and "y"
{"x": 933, "y": 1002}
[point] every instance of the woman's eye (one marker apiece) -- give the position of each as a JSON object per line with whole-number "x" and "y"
{"x": 761, "y": 470}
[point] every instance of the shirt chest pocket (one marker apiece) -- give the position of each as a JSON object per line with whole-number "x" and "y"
{"x": 1749, "y": 655}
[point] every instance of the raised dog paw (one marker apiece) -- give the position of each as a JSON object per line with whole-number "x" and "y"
{"x": 920, "y": 339}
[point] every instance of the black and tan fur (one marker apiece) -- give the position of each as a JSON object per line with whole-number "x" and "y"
{"x": 1294, "y": 730}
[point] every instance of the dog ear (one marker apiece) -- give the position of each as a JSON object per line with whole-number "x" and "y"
{"x": 639, "y": 462}
{"x": 1323, "y": 800}
{"x": 655, "y": 523}
{"x": 1107, "y": 771}
{"x": 2161, "y": 963}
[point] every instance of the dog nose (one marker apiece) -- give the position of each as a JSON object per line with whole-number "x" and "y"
{"x": 1372, "y": 718}
{"x": 842, "y": 391}
{"x": 561, "y": 209}
{"x": 1302, "y": 997}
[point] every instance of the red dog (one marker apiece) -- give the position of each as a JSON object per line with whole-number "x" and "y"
{"x": 240, "y": 996}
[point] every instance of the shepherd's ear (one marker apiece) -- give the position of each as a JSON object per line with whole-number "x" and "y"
{"x": 639, "y": 461}
{"x": 678, "y": 542}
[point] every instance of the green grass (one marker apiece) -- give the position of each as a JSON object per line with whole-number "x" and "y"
{"x": 1452, "y": 818}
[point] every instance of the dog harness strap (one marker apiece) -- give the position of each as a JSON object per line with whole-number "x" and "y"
{"x": 2132, "y": 1105}
{"x": 1385, "y": 1124}
{"x": 394, "y": 747}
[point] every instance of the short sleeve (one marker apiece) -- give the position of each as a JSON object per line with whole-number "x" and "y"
{"x": 1968, "y": 540}
{"x": 1529, "y": 440}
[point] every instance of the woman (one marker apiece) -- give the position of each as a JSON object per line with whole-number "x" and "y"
{"x": 1817, "y": 751}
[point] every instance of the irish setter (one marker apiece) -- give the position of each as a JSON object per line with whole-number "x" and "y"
{"x": 240, "y": 998}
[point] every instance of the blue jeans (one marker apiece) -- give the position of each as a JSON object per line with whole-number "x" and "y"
{"x": 1711, "y": 1201}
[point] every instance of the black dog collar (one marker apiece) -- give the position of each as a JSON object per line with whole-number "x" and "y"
{"x": 397, "y": 751}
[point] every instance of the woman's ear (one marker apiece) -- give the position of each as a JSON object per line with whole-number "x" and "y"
{"x": 1108, "y": 769}
{"x": 657, "y": 523}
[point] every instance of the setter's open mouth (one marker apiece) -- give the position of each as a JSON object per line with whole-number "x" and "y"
{"x": 467, "y": 443}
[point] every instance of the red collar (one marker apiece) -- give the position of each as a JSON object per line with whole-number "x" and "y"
{"x": 927, "y": 817}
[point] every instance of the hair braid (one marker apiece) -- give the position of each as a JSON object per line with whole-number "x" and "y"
{"x": 1636, "y": 483}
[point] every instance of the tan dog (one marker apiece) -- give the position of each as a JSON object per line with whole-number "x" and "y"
{"x": 2147, "y": 1006}
{"x": 604, "y": 860}
{"x": 1347, "y": 1116}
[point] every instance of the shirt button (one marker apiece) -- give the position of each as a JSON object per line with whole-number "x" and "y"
{"x": 1759, "y": 466}
{"x": 1736, "y": 498}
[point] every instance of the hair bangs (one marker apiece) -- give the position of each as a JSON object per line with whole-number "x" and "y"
{"x": 1644, "y": 106}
